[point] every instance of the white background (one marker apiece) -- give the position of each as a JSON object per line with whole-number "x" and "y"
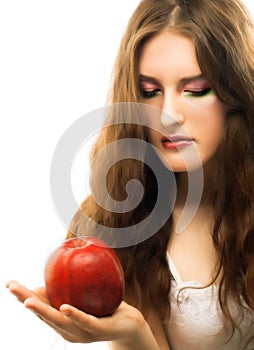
{"x": 55, "y": 63}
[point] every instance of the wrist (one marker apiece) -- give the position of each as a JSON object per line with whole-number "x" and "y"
{"x": 141, "y": 338}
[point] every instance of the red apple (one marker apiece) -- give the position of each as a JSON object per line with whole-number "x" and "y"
{"x": 84, "y": 272}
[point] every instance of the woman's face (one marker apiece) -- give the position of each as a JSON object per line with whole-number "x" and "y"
{"x": 187, "y": 125}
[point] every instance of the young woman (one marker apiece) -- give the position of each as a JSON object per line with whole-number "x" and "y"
{"x": 188, "y": 65}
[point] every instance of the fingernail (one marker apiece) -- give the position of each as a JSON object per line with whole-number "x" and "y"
{"x": 29, "y": 302}
{"x": 12, "y": 286}
{"x": 66, "y": 313}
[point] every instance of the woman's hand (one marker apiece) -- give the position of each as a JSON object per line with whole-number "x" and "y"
{"x": 78, "y": 327}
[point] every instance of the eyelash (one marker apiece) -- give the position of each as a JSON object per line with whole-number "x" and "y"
{"x": 199, "y": 93}
{"x": 150, "y": 93}
{"x": 189, "y": 93}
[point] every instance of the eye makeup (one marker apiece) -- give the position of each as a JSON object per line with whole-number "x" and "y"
{"x": 190, "y": 87}
{"x": 197, "y": 88}
{"x": 149, "y": 87}
{"x": 198, "y": 93}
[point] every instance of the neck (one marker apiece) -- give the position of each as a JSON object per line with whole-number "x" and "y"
{"x": 193, "y": 183}
{"x": 194, "y": 200}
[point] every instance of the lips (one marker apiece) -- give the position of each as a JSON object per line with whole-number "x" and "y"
{"x": 176, "y": 141}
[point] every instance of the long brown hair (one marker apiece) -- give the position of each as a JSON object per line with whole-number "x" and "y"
{"x": 222, "y": 32}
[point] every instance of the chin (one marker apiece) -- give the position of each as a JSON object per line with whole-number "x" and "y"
{"x": 181, "y": 166}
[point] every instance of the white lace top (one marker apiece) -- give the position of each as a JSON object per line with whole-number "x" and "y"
{"x": 196, "y": 322}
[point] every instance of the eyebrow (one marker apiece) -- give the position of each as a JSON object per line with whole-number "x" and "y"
{"x": 182, "y": 81}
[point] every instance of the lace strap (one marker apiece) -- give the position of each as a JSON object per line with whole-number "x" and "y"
{"x": 174, "y": 270}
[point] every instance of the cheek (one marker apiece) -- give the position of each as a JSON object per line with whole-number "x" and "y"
{"x": 211, "y": 137}
{"x": 210, "y": 120}
{"x": 152, "y": 135}
{"x": 151, "y": 118}
{"x": 216, "y": 123}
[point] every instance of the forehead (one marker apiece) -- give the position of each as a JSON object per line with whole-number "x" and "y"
{"x": 169, "y": 52}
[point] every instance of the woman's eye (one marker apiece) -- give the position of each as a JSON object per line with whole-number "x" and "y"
{"x": 150, "y": 93}
{"x": 197, "y": 93}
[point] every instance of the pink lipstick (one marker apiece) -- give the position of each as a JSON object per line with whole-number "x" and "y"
{"x": 176, "y": 141}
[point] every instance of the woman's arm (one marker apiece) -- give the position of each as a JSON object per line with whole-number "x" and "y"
{"x": 142, "y": 340}
{"x": 126, "y": 329}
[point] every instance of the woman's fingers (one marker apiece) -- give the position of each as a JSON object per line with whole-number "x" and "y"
{"x": 46, "y": 312}
{"x": 21, "y": 292}
{"x": 37, "y": 302}
{"x": 62, "y": 324}
{"x": 75, "y": 325}
{"x": 81, "y": 318}
{"x": 89, "y": 324}
{"x": 120, "y": 324}
{"x": 51, "y": 316}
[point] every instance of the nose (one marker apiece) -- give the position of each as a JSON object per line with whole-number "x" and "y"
{"x": 171, "y": 111}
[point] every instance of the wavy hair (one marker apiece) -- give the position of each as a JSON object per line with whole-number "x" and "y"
{"x": 222, "y": 32}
